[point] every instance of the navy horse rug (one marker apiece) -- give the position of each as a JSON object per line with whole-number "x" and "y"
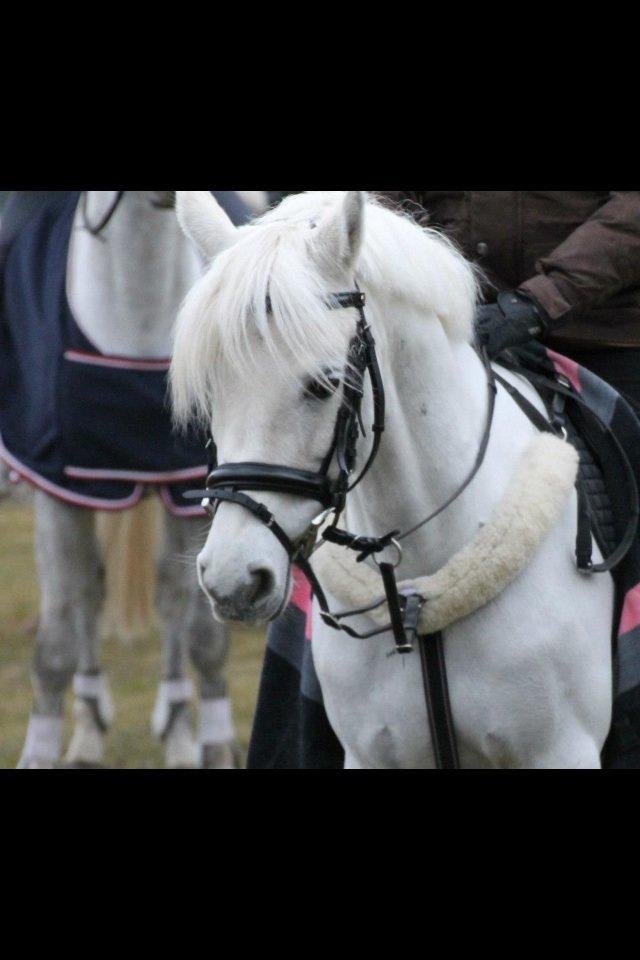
{"x": 291, "y": 728}
{"x": 90, "y": 429}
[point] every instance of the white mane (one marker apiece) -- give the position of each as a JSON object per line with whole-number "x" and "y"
{"x": 271, "y": 258}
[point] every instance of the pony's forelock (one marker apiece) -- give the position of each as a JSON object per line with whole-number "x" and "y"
{"x": 225, "y": 315}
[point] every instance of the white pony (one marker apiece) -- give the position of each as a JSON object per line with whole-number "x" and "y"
{"x": 530, "y": 672}
{"x": 124, "y": 288}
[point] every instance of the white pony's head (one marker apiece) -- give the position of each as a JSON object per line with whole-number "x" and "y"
{"x": 268, "y": 381}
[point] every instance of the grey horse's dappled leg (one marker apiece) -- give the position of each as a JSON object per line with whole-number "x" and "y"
{"x": 189, "y": 627}
{"x": 93, "y": 708}
{"x": 209, "y": 647}
{"x": 171, "y": 720}
{"x": 70, "y": 598}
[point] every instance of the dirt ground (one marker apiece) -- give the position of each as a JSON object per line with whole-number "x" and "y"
{"x": 133, "y": 669}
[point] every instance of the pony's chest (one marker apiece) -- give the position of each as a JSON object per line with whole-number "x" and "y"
{"x": 375, "y": 702}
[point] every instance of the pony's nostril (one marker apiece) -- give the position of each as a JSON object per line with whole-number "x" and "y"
{"x": 241, "y": 596}
{"x": 262, "y": 581}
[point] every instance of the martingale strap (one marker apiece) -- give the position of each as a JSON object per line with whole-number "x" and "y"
{"x": 436, "y": 695}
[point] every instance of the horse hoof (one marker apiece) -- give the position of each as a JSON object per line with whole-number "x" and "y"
{"x": 221, "y": 756}
{"x": 82, "y": 765}
{"x": 86, "y": 749}
{"x": 31, "y": 763}
{"x": 180, "y": 751}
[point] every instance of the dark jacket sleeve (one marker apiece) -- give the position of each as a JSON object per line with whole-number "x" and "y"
{"x": 598, "y": 260}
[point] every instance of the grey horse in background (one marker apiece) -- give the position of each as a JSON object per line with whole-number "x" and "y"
{"x": 124, "y": 288}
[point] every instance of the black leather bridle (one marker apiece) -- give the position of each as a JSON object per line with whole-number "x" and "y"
{"x": 166, "y": 203}
{"x": 95, "y": 229}
{"x": 229, "y": 482}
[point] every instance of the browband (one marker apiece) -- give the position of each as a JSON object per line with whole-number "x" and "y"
{"x": 336, "y": 301}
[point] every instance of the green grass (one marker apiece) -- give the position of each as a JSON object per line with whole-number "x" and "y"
{"x": 133, "y": 669}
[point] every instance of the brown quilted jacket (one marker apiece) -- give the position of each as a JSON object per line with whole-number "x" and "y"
{"x": 576, "y": 251}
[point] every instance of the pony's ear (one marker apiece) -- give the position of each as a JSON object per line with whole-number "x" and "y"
{"x": 204, "y": 221}
{"x": 336, "y": 242}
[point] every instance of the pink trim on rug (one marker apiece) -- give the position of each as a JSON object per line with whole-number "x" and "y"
{"x": 302, "y": 598}
{"x": 68, "y": 496}
{"x": 185, "y": 512}
{"x": 135, "y": 476}
{"x": 120, "y": 363}
{"x": 630, "y": 618}
{"x": 568, "y": 368}
{"x": 93, "y": 503}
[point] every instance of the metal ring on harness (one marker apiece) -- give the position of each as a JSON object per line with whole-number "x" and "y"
{"x": 392, "y": 543}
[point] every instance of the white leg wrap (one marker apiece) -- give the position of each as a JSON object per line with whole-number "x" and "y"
{"x": 43, "y": 743}
{"x": 180, "y": 750}
{"x": 170, "y": 692}
{"x": 216, "y": 722}
{"x": 87, "y": 743}
{"x": 95, "y": 687}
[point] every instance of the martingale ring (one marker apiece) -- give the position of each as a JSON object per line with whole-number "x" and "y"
{"x": 392, "y": 543}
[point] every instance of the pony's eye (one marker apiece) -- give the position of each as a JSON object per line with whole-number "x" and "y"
{"x": 321, "y": 389}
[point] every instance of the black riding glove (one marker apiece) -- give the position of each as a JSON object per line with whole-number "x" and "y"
{"x": 513, "y": 320}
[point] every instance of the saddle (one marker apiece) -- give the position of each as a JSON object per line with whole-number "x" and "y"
{"x": 605, "y": 430}
{"x": 600, "y": 506}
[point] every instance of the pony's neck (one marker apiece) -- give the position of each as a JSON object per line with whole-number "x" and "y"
{"x": 126, "y": 285}
{"x": 436, "y": 408}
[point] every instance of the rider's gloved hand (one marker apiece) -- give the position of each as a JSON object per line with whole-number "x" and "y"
{"x": 513, "y": 320}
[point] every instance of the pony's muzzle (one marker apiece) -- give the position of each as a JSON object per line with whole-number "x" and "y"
{"x": 246, "y": 597}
